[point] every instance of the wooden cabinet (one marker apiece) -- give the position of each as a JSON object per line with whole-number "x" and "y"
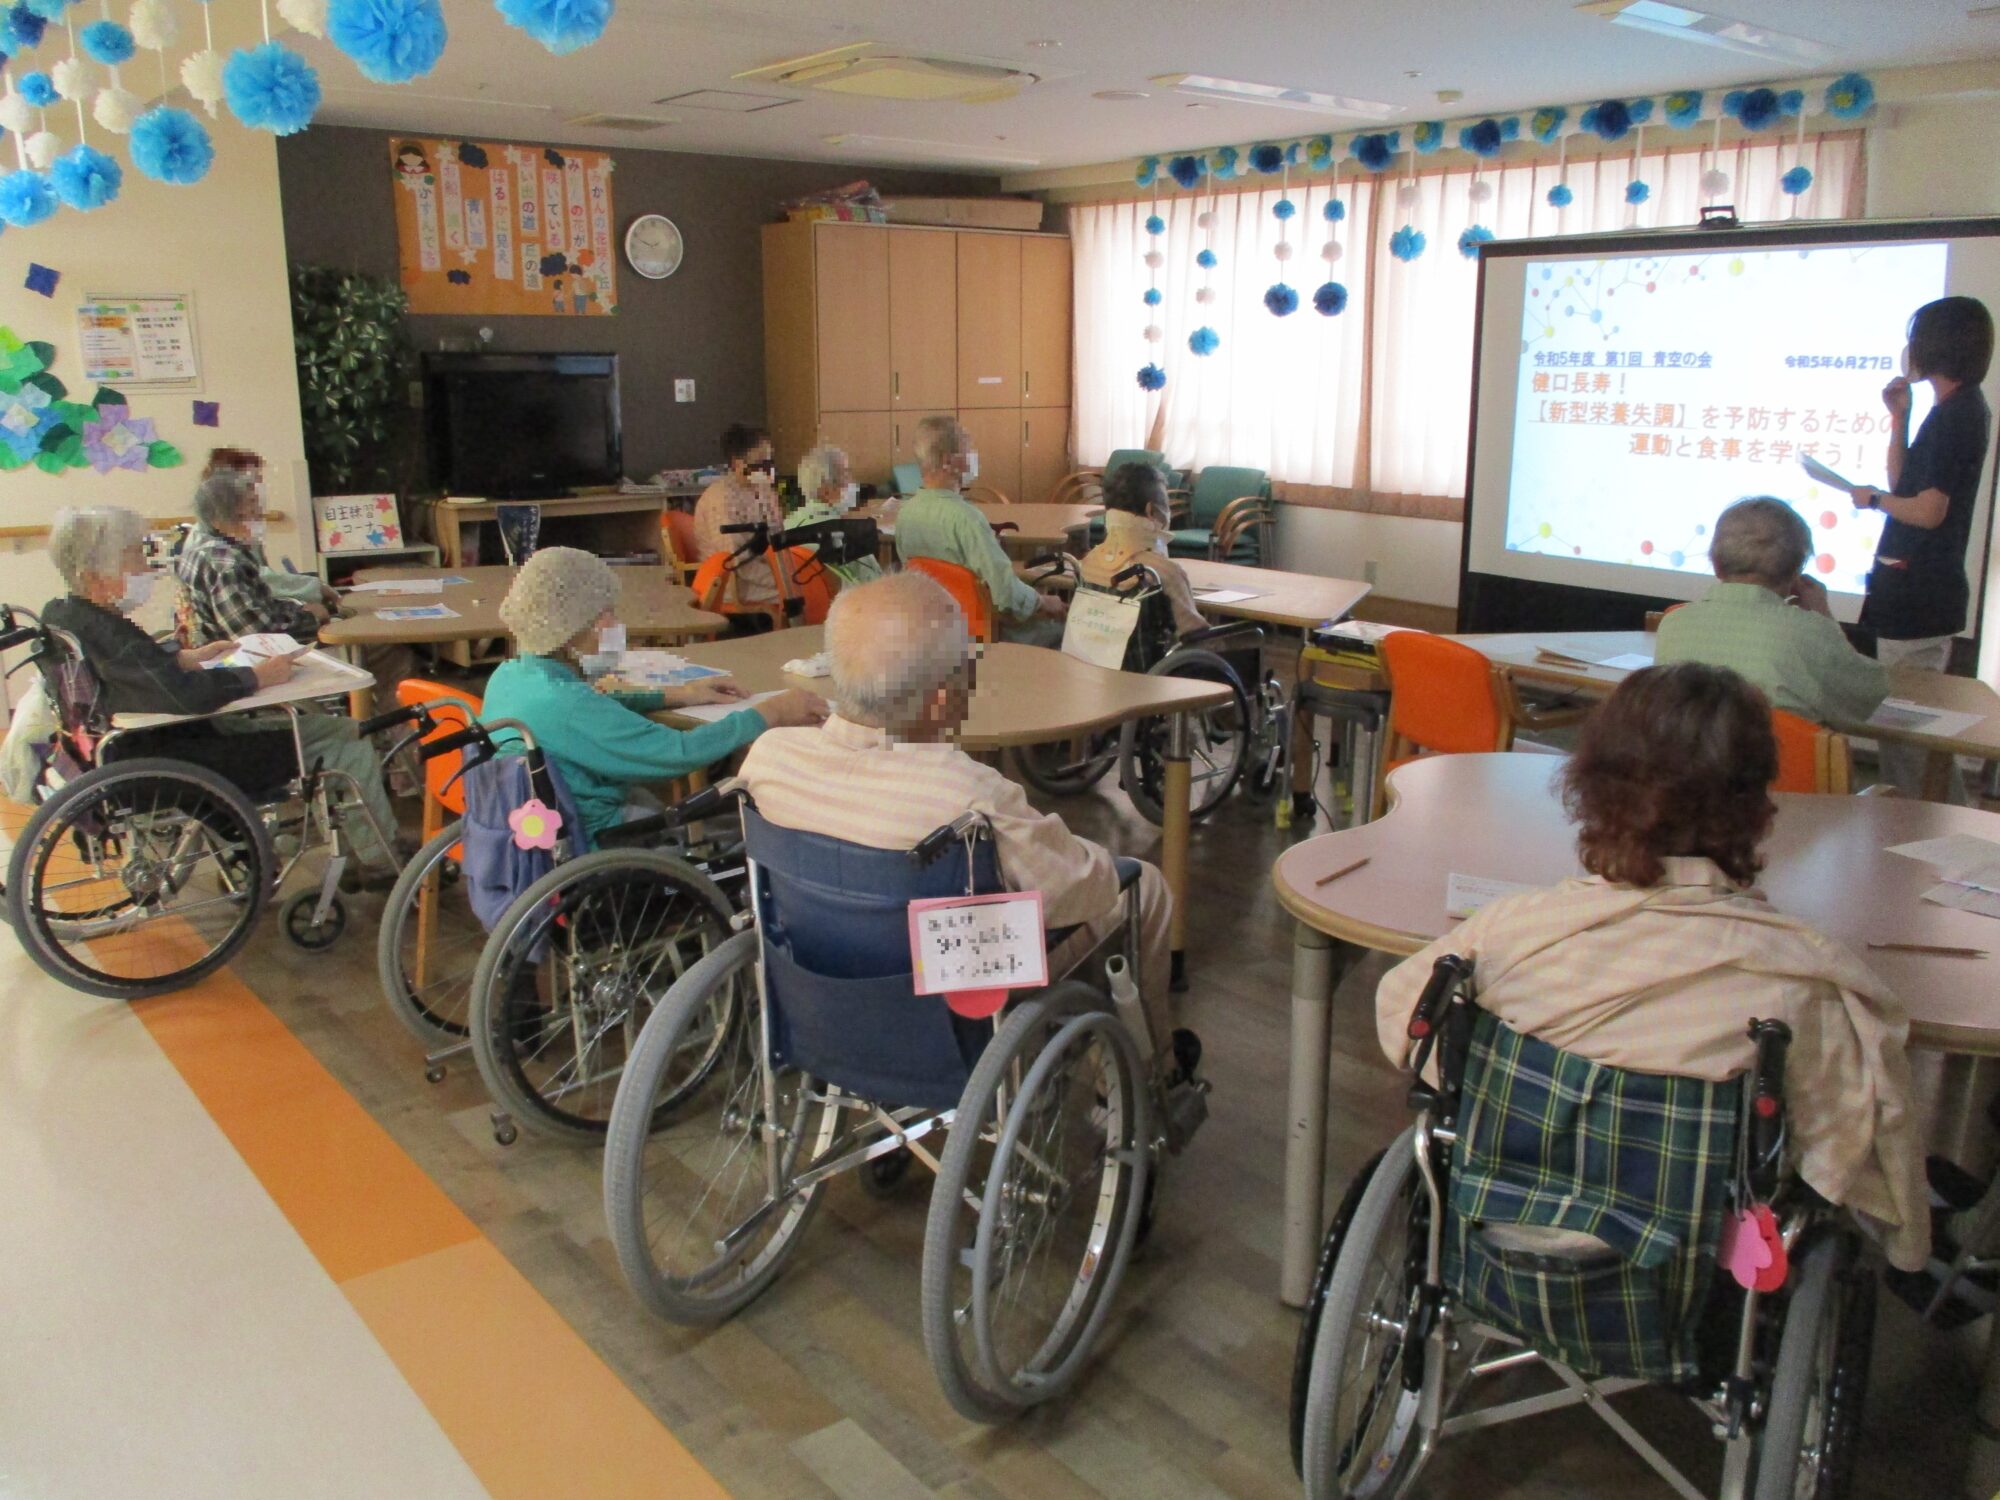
{"x": 903, "y": 432}
{"x": 989, "y": 320}
{"x": 1044, "y": 450}
{"x": 923, "y": 320}
{"x": 1045, "y": 313}
{"x": 996, "y": 436}
{"x": 868, "y": 440}
{"x": 851, "y": 276}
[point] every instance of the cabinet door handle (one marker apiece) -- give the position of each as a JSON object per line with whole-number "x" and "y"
{"x": 896, "y": 436}
{"x": 896, "y": 384}
{"x": 1024, "y": 431}
{"x": 1027, "y": 381}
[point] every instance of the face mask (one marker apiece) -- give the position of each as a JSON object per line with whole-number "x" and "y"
{"x": 971, "y": 466}
{"x": 611, "y": 640}
{"x": 849, "y": 494}
{"x": 138, "y": 589}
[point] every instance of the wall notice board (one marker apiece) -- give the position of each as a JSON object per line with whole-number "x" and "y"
{"x": 504, "y": 230}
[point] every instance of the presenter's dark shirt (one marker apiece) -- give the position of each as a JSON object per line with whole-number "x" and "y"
{"x": 1928, "y": 595}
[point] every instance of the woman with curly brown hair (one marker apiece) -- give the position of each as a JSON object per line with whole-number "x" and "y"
{"x": 1659, "y": 957}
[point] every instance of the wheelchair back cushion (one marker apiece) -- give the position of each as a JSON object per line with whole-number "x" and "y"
{"x": 497, "y": 869}
{"x": 1641, "y": 1161}
{"x": 834, "y": 919}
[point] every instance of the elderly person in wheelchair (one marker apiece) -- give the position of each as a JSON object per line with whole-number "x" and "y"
{"x": 1636, "y": 1090}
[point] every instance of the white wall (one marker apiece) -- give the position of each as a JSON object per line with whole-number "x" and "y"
{"x": 1414, "y": 560}
{"x": 221, "y": 239}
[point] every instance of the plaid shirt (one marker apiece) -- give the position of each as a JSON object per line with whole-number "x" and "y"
{"x": 1642, "y": 1161}
{"x": 224, "y": 595}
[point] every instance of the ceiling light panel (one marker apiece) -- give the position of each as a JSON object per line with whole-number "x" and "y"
{"x": 1687, "y": 24}
{"x": 727, "y": 101}
{"x": 1276, "y": 96}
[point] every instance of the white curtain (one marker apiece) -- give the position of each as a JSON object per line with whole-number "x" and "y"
{"x": 1377, "y": 399}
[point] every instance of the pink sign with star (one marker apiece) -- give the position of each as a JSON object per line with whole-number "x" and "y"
{"x": 357, "y": 523}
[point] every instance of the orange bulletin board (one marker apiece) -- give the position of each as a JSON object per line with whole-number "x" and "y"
{"x": 489, "y": 229}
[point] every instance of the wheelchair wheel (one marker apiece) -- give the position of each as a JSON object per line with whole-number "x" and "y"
{"x": 1820, "y": 1380}
{"x": 14, "y": 818}
{"x": 1066, "y": 767}
{"x": 304, "y": 933}
{"x": 1363, "y": 1398}
{"x": 1036, "y": 1204}
{"x": 1329, "y": 1257}
{"x": 1219, "y": 743}
{"x": 573, "y": 969}
{"x": 139, "y": 878}
{"x": 429, "y": 945}
{"x": 696, "y": 1145}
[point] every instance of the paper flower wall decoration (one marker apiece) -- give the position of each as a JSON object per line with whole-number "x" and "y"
{"x": 1798, "y": 181}
{"x": 1637, "y": 191}
{"x": 1472, "y": 239}
{"x": 1407, "y": 243}
{"x": 1204, "y": 341}
{"x": 26, "y": 198}
{"x": 1149, "y": 169}
{"x": 1222, "y": 164}
{"x": 153, "y": 25}
{"x": 201, "y": 76}
{"x": 1488, "y": 136}
{"x": 1281, "y": 301}
{"x": 40, "y": 425}
{"x": 1849, "y": 96}
{"x": 308, "y": 16}
{"x": 1560, "y": 196}
{"x": 1267, "y": 159}
{"x": 1319, "y": 152}
{"x": 107, "y": 42}
{"x": 71, "y": 77}
{"x": 86, "y": 178}
{"x": 1152, "y": 378}
{"x": 391, "y": 41}
{"x": 115, "y": 109}
{"x": 1186, "y": 170}
{"x": 1330, "y": 300}
{"x": 38, "y": 89}
{"x": 171, "y": 145}
{"x": 1427, "y": 137}
{"x": 1683, "y": 109}
{"x": 41, "y": 148}
{"x": 270, "y": 88}
{"x": 1546, "y": 124}
{"x": 1760, "y": 109}
{"x": 115, "y": 439}
{"x": 1609, "y": 121}
{"x": 1376, "y": 150}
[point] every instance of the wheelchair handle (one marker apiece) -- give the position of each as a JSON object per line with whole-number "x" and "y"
{"x": 1447, "y": 974}
{"x": 417, "y": 713}
{"x": 1767, "y": 1104}
{"x": 1000, "y": 528}
{"x": 938, "y": 840}
{"x": 1135, "y": 573}
{"x": 473, "y": 735}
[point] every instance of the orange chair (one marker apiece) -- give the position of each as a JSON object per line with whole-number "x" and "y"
{"x": 453, "y": 710}
{"x": 811, "y": 581}
{"x": 966, "y": 588}
{"x": 1444, "y": 699}
{"x": 715, "y": 589}
{"x": 682, "y": 546}
{"x": 1811, "y": 758}
{"x": 1654, "y": 616}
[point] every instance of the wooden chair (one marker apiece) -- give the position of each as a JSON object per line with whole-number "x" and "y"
{"x": 682, "y": 545}
{"x": 966, "y": 588}
{"x": 979, "y": 492}
{"x": 1811, "y": 757}
{"x": 1079, "y": 487}
{"x": 717, "y": 588}
{"x": 1444, "y": 699}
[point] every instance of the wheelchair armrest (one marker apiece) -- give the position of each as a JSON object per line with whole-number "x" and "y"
{"x": 415, "y": 713}
{"x": 1129, "y": 871}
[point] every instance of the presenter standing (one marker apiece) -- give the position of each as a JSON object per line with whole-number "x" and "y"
{"x": 1917, "y": 592}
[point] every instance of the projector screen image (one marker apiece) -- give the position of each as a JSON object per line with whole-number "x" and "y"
{"x": 1626, "y": 398}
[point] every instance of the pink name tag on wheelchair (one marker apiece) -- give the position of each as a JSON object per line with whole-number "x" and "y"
{"x": 975, "y": 950}
{"x": 1752, "y": 1250}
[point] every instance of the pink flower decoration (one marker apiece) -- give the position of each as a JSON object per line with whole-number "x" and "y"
{"x": 535, "y": 824}
{"x": 118, "y": 440}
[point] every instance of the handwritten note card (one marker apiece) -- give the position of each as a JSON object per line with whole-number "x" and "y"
{"x": 979, "y": 946}
{"x": 1098, "y": 627}
{"x": 1465, "y": 894}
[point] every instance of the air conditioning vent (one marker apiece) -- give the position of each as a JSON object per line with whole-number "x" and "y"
{"x": 868, "y": 71}
{"x": 632, "y": 123}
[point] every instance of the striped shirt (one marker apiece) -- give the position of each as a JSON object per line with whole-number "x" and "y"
{"x": 851, "y": 782}
{"x": 1667, "y": 979}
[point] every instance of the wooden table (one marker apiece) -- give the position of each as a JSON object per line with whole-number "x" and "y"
{"x": 1297, "y": 601}
{"x": 1498, "y": 815}
{"x": 1025, "y": 695}
{"x": 1518, "y": 654}
{"x": 597, "y": 523}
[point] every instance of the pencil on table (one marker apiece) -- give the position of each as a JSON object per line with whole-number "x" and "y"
{"x": 1343, "y": 870}
{"x": 1931, "y": 948}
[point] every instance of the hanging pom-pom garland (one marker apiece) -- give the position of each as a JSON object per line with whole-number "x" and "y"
{"x": 107, "y": 42}
{"x": 71, "y": 77}
{"x": 201, "y": 76}
{"x": 1186, "y": 170}
{"x": 86, "y": 178}
{"x": 20, "y": 29}
{"x": 1330, "y": 300}
{"x": 153, "y": 25}
{"x": 307, "y": 16}
{"x": 1205, "y": 340}
{"x": 1637, "y": 190}
{"x": 1472, "y": 239}
{"x": 1407, "y": 243}
{"x": 391, "y": 41}
{"x": 1799, "y": 180}
{"x": 1715, "y": 181}
{"x": 171, "y": 145}
{"x": 1560, "y": 196}
{"x": 271, "y": 88}
{"x": 1151, "y": 376}
{"x": 115, "y": 109}
{"x": 39, "y": 90}
{"x": 41, "y": 148}
{"x": 1333, "y": 213}
{"x": 1849, "y": 97}
{"x": 26, "y": 198}
{"x": 1281, "y": 299}
{"x": 17, "y": 115}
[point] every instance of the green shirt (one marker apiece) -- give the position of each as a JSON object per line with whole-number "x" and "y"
{"x": 861, "y": 570}
{"x": 945, "y": 525}
{"x": 1799, "y": 658}
{"x": 603, "y": 744}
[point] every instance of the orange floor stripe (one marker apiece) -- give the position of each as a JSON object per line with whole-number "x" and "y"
{"x": 522, "y": 1397}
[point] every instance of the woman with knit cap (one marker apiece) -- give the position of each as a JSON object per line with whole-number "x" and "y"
{"x": 602, "y": 743}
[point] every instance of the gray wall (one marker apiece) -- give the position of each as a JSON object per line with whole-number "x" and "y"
{"x": 705, "y": 322}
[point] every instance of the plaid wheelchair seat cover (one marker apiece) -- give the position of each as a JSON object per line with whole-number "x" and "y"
{"x": 1643, "y": 1161}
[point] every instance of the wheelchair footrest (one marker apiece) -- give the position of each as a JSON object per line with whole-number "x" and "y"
{"x": 1182, "y": 1113}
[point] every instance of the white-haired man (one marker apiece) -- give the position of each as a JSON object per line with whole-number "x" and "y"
{"x": 827, "y": 482}
{"x": 939, "y": 522}
{"x": 885, "y": 770}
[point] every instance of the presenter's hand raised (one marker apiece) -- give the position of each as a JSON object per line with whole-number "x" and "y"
{"x": 1896, "y": 396}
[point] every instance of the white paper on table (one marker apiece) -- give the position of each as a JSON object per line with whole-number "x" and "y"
{"x": 1367, "y": 632}
{"x": 417, "y": 612}
{"x": 662, "y": 669}
{"x": 1226, "y": 596}
{"x": 251, "y": 649}
{"x": 1901, "y": 713}
{"x": 1631, "y": 661}
{"x": 1098, "y": 627}
{"x": 1955, "y": 856}
{"x": 395, "y": 586}
{"x": 1970, "y": 898}
{"x": 708, "y": 713}
{"x": 1465, "y": 894}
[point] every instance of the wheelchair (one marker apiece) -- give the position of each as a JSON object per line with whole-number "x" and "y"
{"x": 549, "y": 984}
{"x": 149, "y": 856}
{"x": 1420, "y": 1294}
{"x": 1054, "y": 1113}
{"x": 1246, "y": 741}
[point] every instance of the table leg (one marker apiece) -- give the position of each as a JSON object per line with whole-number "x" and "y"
{"x": 1314, "y": 970}
{"x": 1937, "y": 776}
{"x": 1174, "y": 838}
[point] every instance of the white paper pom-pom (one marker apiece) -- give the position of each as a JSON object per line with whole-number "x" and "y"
{"x": 115, "y": 109}
{"x": 153, "y": 25}
{"x": 43, "y": 147}
{"x": 1153, "y": 333}
{"x": 308, "y": 16}
{"x": 1406, "y": 195}
{"x": 201, "y": 75}
{"x": 1205, "y": 296}
{"x": 1154, "y": 260}
{"x": 1714, "y": 182}
{"x": 71, "y": 77}
{"x": 1205, "y": 219}
{"x": 16, "y": 114}
{"x": 1331, "y": 251}
{"x": 1283, "y": 250}
{"x": 1480, "y": 192}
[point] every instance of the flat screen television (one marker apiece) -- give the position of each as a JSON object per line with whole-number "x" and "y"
{"x": 522, "y": 426}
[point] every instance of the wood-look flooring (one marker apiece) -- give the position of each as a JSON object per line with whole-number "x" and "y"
{"x": 822, "y": 1388}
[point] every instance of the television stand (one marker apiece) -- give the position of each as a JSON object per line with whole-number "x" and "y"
{"x": 467, "y": 531}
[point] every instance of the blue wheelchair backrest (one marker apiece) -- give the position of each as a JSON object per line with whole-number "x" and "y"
{"x": 835, "y": 926}
{"x": 497, "y": 870}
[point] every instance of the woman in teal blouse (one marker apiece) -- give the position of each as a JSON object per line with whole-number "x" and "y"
{"x": 560, "y": 606}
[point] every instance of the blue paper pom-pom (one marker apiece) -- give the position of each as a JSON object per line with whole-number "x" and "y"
{"x": 1186, "y": 170}
{"x": 26, "y": 198}
{"x": 271, "y": 88}
{"x": 170, "y": 145}
{"x": 1426, "y": 137}
{"x": 1641, "y": 111}
{"x": 107, "y": 42}
{"x": 1376, "y": 150}
{"x": 1283, "y": 209}
{"x": 1203, "y": 341}
{"x": 391, "y": 41}
{"x": 47, "y": 10}
{"x": 1684, "y": 108}
{"x": 1334, "y": 211}
{"x": 1609, "y": 121}
{"x": 38, "y": 90}
{"x": 21, "y": 30}
{"x": 1637, "y": 191}
{"x": 1472, "y": 239}
{"x": 1319, "y": 152}
{"x": 1560, "y": 196}
{"x": 1152, "y": 378}
{"x": 1222, "y": 163}
{"x": 1755, "y": 109}
{"x": 1149, "y": 169}
{"x": 1330, "y": 300}
{"x": 1797, "y": 181}
{"x": 1483, "y": 139}
{"x": 1281, "y": 301}
{"x": 1152, "y": 296}
{"x": 1267, "y": 158}
{"x": 1849, "y": 96}
{"x": 1206, "y": 260}
{"x": 86, "y": 178}
{"x": 1407, "y": 243}
{"x": 1155, "y": 224}
{"x": 1546, "y": 124}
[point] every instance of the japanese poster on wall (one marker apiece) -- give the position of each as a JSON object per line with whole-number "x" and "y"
{"x": 493, "y": 229}
{"x": 139, "y": 341}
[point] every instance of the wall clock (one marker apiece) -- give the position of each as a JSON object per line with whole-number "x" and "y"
{"x": 653, "y": 246}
